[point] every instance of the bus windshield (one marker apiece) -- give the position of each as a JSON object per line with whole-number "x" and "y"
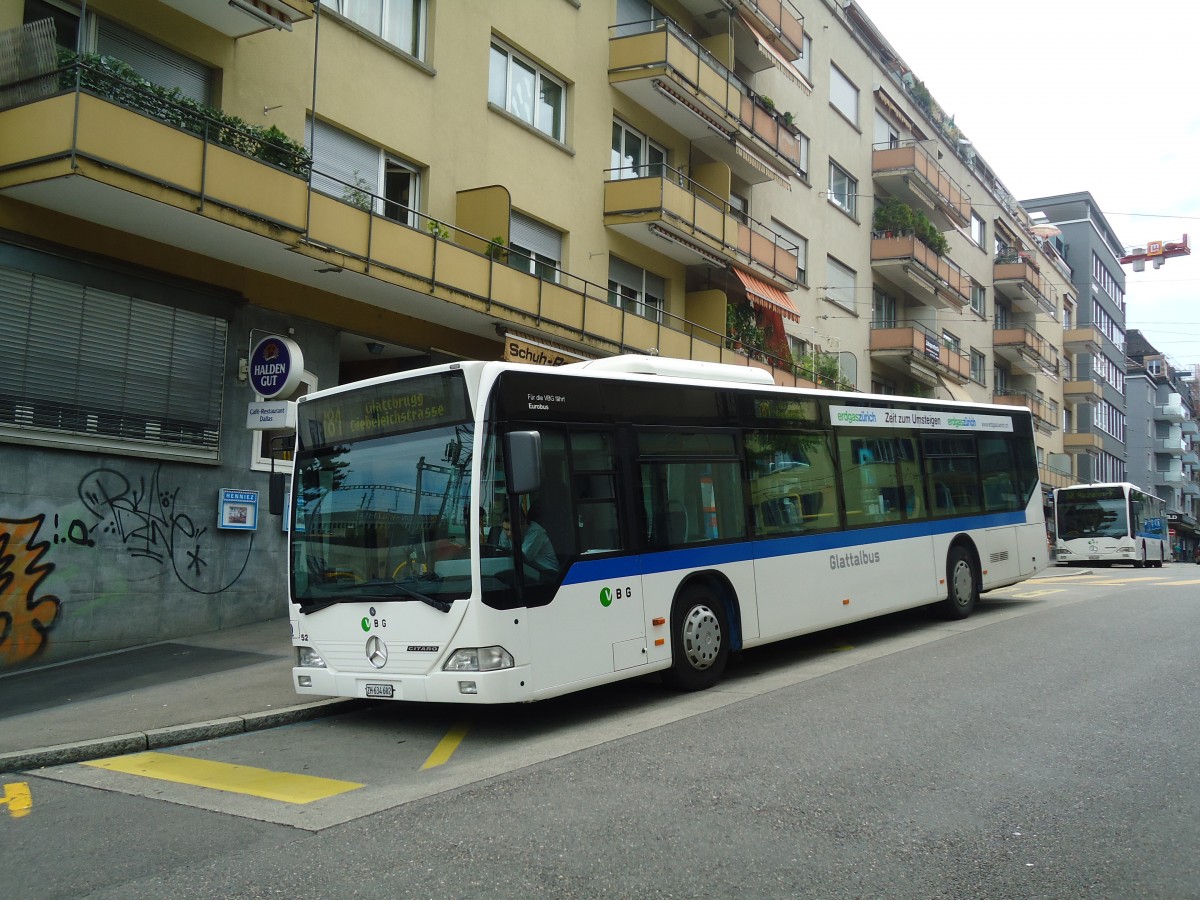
{"x": 379, "y": 500}
{"x": 1092, "y": 513}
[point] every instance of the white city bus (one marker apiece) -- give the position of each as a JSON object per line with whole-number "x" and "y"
{"x": 667, "y": 513}
{"x": 1100, "y": 524}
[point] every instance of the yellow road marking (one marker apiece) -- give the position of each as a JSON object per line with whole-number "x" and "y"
{"x": 1040, "y": 593}
{"x": 220, "y": 776}
{"x": 447, "y": 745}
{"x": 17, "y": 798}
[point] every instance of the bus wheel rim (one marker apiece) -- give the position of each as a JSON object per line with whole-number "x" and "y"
{"x": 701, "y": 637}
{"x": 962, "y": 583}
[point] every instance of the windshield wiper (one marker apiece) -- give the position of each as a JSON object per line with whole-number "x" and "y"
{"x": 442, "y": 605}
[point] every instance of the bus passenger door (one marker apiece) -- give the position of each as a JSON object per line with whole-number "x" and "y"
{"x": 594, "y": 625}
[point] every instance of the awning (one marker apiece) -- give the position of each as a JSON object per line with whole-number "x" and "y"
{"x": 790, "y": 72}
{"x": 767, "y": 295}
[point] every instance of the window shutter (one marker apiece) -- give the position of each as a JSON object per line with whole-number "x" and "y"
{"x": 155, "y": 62}
{"x": 88, "y": 361}
{"x": 343, "y": 161}
{"x": 534, "y": 236}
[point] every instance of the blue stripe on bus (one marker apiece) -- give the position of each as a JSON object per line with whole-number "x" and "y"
{"x": 610, "y": 568}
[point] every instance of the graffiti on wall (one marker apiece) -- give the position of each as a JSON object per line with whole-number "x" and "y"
{"x": 145, "y": 517}
{"x": 25, "y": 616}
{"x": 141, "y": 515}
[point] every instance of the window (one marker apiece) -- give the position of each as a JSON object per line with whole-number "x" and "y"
{"x": 843, "y": 95}
{"x": 802, "y": 154}
{"x": 883, "y": 310}
{"x": 978, "y": 229}
{"x": 886, "y": 134}
{"x": 636, "y": 290}
{"x": 879, "y": 476}
{"x": 524, "y": 90}
{"x": 792, "y": 484}
{"x": 534, "y": 248}
{"x": 400, "y": 23}
{"x": 355, "y": 171}
{"x": 978, "y": 298}
{"x": 978, "y": 367}
{"x": 840, "y": 284}
{"x": 154, "y": 62}
{"x": 637, "y": 17}
{"x": 261, "y": 449}
{"x": 951, "y": 342}
{"x": 634, "y": 155}
{"x": 801, "y": 243}
{"x": 141, "y": 371}
{"x": 843, "y": 189}
{"x": 804, "y": 63}
{"x": 1000, "y": 380}
{"x": 691, "y": 485}
{"x": 739, "y": 207}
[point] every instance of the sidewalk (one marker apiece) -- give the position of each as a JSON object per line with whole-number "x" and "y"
{"x": 159, "y": 695}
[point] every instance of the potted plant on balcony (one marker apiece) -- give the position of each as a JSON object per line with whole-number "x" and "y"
{"x": 927, "y": 233}
{"x": 893, "y": 218}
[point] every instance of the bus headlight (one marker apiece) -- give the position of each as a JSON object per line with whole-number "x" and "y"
{"x": 479, "y": 659}
{"x": 309, "y": 658}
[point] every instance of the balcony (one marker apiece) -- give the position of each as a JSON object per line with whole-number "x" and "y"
{"x": 1084, "y": 339}
{"x": 1082, "y": 442}
{"x": 660, "y": 208}
{"x": 1190, "y": 426}
{"x": 911, "y": 173}
{"x": 1045, "y": 412}
{"x": 765, "y": 32}
{"x": 1191, "y": 489}
{"x": 668, "y": 72}
{"x": 1190, "y": 457}
{"x": 1083, "y": 390}
{"x": 1170, "y": 477}
{"x": 1016, "y": 277}
{"x": 918, "y": 271}
{"x": 123, "y": 158}
{"x": 233, "y": 20}
{"x": 1025, "y": 349}
{"x": 1171, "y": 445}
{"x": 919, "y": 353}
{"x": 1172, "y": 410}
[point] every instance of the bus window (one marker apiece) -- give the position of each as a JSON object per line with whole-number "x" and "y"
{"x": 792, "y": 483}
{"x": 1000, "y": 493}
{"x": 688, "y": 500}
{"x": 594, "y": 490}
{"x": 952, "y": 474}
{"x": 877, "y": 477}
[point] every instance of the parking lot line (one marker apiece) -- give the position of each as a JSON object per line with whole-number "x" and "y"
{"x": 219, "y": 776}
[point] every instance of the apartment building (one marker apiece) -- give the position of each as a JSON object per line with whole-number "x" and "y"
{"x": 1094, "y": 338}
{"x": 1161, "y": 437}
{"x": 403, "y": 182}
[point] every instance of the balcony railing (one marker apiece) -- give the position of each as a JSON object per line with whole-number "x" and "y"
{"x": 1081, "y": 390}
{"x": 783, "y": 21}
{"x": 1044, "y": 411}
{"x": 1083, "y": 339}
{"x": 910, "y": 172}
{"x": 1171, "y": 445}
{"x": 913, "y": 343}
{"x": 653, "y": 203}
{"x": 1025, "y": 348}
{"x": 120, "y": 141}
{"x": 915, "y": 268}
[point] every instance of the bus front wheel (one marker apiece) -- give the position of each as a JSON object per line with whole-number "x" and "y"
{"x": 962, "y": 585}
{"x": 700, "y": 632}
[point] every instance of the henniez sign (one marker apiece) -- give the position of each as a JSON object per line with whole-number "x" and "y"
{"x": 276, "y": 367}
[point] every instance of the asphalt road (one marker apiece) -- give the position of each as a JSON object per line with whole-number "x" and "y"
{"x": 1045, "y": 748}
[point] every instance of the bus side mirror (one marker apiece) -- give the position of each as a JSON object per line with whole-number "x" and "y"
{"x": 523, "y": 450}
{"x": 275, "y": 494}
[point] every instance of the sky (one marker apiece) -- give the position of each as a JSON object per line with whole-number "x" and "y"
{"x": 1061, "y": 96}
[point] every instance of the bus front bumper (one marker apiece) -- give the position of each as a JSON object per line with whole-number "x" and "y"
{"x": 502, "y": 686}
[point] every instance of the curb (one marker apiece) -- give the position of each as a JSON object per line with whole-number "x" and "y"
{"x": 155, "y": 739}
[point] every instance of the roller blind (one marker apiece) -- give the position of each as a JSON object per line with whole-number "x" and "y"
{"x": 341, "y": 161}
{"x": 78, "y": 359}
{"x": 155, "y": 62}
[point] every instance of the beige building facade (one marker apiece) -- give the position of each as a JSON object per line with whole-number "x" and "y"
{"x": 404, "y": 182}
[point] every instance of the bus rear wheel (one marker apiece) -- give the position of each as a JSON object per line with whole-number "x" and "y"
{"x": 700, "y": 646}
{"x": 962, "y": 585}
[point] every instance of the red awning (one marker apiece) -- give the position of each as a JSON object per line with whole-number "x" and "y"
{"x": 763, "y": 294}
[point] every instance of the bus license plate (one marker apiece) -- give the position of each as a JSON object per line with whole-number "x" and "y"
{"x": 380, "y": 690}
{"x": 1093, "y": 557}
